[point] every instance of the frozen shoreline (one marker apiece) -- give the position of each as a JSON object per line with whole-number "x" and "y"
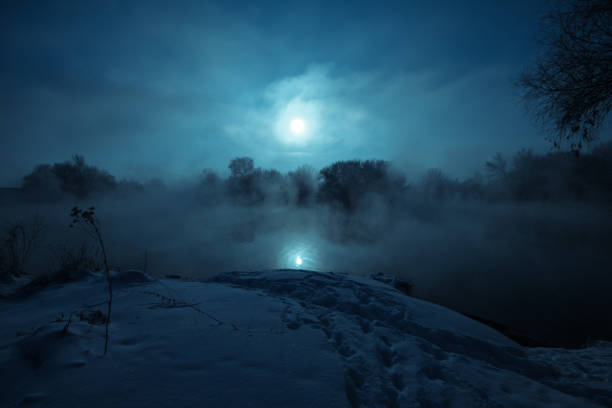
{"x": 287, "y": 338}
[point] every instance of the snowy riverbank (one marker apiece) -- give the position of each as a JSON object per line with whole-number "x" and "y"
{"x": 275, "y": 339}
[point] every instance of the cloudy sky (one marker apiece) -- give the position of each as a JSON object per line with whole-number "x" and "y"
{"x": 165, "y": 89}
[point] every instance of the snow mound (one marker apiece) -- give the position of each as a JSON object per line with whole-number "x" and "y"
{"x": 275, "y": 339}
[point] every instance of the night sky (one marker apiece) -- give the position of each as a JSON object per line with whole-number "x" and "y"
{"x": 166, "y": 89}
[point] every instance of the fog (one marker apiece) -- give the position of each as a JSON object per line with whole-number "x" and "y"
{"x": 536, "y": 259}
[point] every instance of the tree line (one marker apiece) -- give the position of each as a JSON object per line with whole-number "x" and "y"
{"x": 345, "y": 185}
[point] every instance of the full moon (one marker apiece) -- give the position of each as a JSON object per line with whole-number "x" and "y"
{"x": 297, "y": 125}
{"x": 298, "y": 260}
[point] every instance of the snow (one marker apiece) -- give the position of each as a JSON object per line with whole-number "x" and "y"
{"x": 274, "y": 339}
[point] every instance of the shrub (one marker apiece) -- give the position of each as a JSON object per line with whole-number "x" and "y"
{"x": 19, "y": 242}
{"x": 89, "y": 222}
{"x": 67, "y": 260}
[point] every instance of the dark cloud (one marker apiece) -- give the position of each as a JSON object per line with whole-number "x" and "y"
{"x": 153, "y": 89}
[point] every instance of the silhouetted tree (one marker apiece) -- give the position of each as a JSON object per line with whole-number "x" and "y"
{"x": 346, "y": 182}
{"x": 42, "y": 184}
{"x": 249, "y": 185}
{"x": 241, "y": 166}
{"x": 81, "y": 180}
{"x": 438, "y": 185}
{"x": 210, "y": 188}
{"x": 524, "y": 176}
{"x": 303, "y": 183}
{"x": 553, "y": 176}
{"x": 472, "y": 188}
{"x": 570, "y": 84}
{"x": 271, "y": 186}
{"x": 76, "y": 178}
{"x": 497, "y": 168}
{"x": 210, "y": 178}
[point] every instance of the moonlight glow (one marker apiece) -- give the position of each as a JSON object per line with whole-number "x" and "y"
{"x": 297, "y": 125}
{"x": 298, "y": 260}
{"x": 297, "y": 122}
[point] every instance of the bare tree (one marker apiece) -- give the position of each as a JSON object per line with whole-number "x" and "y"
{"x": 570, "y": 84}
{"x": 497, "y": 168}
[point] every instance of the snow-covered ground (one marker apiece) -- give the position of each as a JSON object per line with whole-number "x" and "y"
{"x": 274, "y": 339}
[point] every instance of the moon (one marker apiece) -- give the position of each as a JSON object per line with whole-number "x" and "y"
{"x": 298, "y": 260}
{"x": 297, "y": 126}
